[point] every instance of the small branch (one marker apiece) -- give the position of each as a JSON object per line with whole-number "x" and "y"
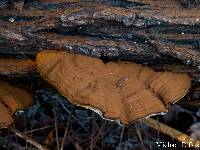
{"x": 139, "y": 137}
{"x": 66, "y": 131}
{"x": 56, "y": 129}
{"x": 173, "y": 133}
{"x": 29, "y": 140}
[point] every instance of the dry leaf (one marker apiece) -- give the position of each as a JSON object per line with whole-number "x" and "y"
{"x": 123, "y": 91}
{"x": 12, "y": 99}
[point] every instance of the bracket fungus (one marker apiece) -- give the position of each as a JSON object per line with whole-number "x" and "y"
{"x": 12, "y": 99}
{"x": 119, "y": 91}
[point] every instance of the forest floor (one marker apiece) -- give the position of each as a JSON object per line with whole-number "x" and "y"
{"x": 56, "y": 123}
{"x": 28, "y": 26}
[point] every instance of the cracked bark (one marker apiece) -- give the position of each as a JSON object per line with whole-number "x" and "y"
{"x": 160, "y": 34}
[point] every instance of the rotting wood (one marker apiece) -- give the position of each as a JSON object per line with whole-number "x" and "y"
{"x": 14, "y": 71}
{"x": 186, "y": 54}
{"x": 17, "y": 66}
{"x": 106, "y": 32}
{"x": 31, "y": 43}
{"x": 151, "y": 12}
{"x": 130, "y": 26}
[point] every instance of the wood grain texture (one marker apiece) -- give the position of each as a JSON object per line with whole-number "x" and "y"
{"x": 16, "y": 67}
{"x": 50, "y": 25}
{"x": 114, "y": 30}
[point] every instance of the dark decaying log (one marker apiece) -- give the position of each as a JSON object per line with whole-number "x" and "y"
{"x": 139, "y": 23}
{"x": 17, "y": 68}
{"x": 164, "y": 35}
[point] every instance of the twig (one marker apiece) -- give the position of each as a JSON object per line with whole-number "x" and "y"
{"x": 56, "y": 129}
{"x": 121, "y": 136}
{"x": 66, "y": 131}
{"x": 139, "y": 136}
{"x": 92, "y": 143}
{"x": 99, "y": 132}
{"x": 38, "y": 129}
{"x": 182, "y": 137}
{"x": 23, "y": 136}
{"x": 69, "y": 112}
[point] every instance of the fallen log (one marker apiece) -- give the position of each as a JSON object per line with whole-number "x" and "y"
{"x": 154, "y": 33}
{"x": 130, "y": 27}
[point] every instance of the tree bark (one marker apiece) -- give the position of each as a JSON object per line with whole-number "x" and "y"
{"x": 164, "y": 35}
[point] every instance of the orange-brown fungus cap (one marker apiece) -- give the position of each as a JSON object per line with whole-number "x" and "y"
{"x": 124, "y": 91}
{"x": 5, "y": 116}
{"x": 12, "y": 99}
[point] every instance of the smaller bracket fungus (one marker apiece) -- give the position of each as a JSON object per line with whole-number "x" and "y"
{"x": 121, "y": 91}
{"x": 12, "y": 99}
